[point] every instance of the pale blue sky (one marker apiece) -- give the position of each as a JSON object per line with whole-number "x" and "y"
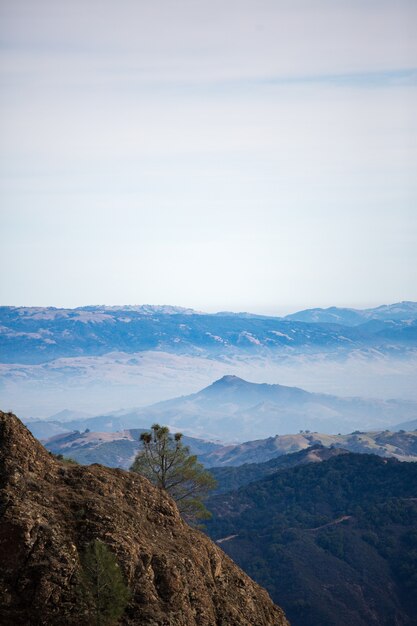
{"x": 256, "y": 155}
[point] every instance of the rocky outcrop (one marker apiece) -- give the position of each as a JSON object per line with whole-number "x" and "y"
{"x": 50, "y": 511}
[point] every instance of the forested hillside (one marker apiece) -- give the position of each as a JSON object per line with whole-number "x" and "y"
{"x": 335, "y": 542}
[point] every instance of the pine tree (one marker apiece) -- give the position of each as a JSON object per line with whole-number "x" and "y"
{"x": 168, "y": 464}
{"x": 101, "y": 584}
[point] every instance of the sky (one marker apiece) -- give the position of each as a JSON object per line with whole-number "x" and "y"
{"x": 254, "y": 155}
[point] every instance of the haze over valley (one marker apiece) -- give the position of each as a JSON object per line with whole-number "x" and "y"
{"x": 101, "y": 359}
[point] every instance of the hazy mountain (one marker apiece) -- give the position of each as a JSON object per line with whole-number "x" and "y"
{"x": 38, "y": 335}
{"x": 335, "y": 541}
{"x": 143, "y": 309}
{"x": 68, "y": 414}
{"x": 255, "y": 410}
{"x": 98, "y": 358}
{"x": 354, "y": 317}
{"x": 232, "y": 409}
{"x": 411, "y": 425}
{"x": 331, "y": 315}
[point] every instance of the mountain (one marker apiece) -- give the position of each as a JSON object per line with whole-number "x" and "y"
{"x": 411, "y": 425}
{"x": 233, "y": 409}
{"x": 66, "y": 415}
{"x": 94, "y": 359}
{"x": 114, "y": 449}
{"x": 331, "y": 315}
{"x": 399, "y": 445}
{"x": 50, "y": 512}
{"x": 400, "y": 311}
{"x": 232, "y": 477}
{"x": 118, "y": 449}
{"x": 335, "y": 541}
{"x": 38, "y": 335}
{"x": 142, "y": 309}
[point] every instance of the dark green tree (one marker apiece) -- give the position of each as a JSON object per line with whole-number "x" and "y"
{"x": 102, "y": 587}
{"x": 168, "y": 464}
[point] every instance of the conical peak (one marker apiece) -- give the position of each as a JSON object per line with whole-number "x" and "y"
{"x": 230, "y": 379}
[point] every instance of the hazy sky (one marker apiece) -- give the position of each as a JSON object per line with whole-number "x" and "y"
{"x": 220, "y": 154}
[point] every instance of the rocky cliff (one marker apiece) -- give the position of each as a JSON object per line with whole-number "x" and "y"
{"x": 50, "y": 511}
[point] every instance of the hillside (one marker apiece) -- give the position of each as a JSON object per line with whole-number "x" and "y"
{"x": 114, "y": 449}
{"x": 118, "y": 449}
{"x": 411, "y": 425}
{"x": 400, "y": 445}
{"x": 51, "y": 510}
{"x": 231, "y": 478}
{"x": 335, "y": 541}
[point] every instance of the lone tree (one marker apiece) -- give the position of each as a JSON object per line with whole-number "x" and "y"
{"x": 101, "y": 585}
{"x": 168, "y": 464}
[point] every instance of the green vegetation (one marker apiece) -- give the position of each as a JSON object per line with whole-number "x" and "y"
{"x": 168, "y": 464}
{"x": 232, "y": 477}
{"x": 335, "y": 543}
{"x": 101, "y": 587}
{"x": 66, "y": 459}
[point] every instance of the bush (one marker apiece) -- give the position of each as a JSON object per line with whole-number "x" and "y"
{"x": 101, "y": 586}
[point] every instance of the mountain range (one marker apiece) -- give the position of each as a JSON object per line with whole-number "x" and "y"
{"x": 37, "y": 335}
{"x": 118, "y": 449}
{"x": 399, "y": 311}
{"x": 96, "y": 359}
{"x": 232, "y": 409}
{"x": 401, "y": 445}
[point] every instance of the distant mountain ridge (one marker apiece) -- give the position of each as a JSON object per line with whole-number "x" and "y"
{"x": 118, "y": 449}
{"x": 143, "y": 309}
{"x": 37, "y": 334}
{"x": 232, "y": 409}
{"x": 399, "y": 311}
{"x": 411, "y": 425}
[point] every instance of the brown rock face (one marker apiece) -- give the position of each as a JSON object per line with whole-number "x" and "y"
{"x": 49, "y": 512}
